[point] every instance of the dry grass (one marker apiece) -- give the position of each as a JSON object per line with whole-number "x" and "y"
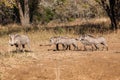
{"x": 42, "y": 64}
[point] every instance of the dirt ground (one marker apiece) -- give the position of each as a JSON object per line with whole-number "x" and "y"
{"x": 42, "y": 64}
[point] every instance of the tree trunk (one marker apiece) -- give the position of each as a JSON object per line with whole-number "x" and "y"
{"x": 24, "y": 15}
{"x": 113, "y": 23}
{"x": 112, "y": 15}
{"x": 110, "y": 10}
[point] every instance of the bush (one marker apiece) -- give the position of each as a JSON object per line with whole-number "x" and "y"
{"x": 45, "y": 16}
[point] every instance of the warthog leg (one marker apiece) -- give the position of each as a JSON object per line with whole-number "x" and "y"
{"x": 68, "y": 47}
{"x": 29, "y": 46}
{"x": 57, "y": 47}
{"x": 96, "y": 47}
{"x": 18, "y": 47}
{"x": 85, "y": 49}
{"x": 65, "y": 47}
{"x": 23, "y": 48}
{"x": 75, "y": 46}
{"x": 104, "y": 46}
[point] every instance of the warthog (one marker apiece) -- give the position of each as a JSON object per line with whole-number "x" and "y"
{"x": 85, "y": 42}
{"x": 53, "y": 40}
{"x": 93, "y": 42}
{"x": 65, "y": 41}
{"x": 19, "y": 41}
{"x": 68, "y": 42}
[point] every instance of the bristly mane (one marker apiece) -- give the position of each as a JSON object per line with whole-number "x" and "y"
{"x": 17, "y": 35}
{"x": 91, "y": 36}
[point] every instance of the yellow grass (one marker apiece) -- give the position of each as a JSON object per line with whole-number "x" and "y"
{"x": 41, "y": 64}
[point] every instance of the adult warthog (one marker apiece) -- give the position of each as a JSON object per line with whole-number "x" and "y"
{"x": 65, "y": 41}
{"x": 54, "y": 40}
{"x": 89, "y": 40}
{"x": 19, "y": 41}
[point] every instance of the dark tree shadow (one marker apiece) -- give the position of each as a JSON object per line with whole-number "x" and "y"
{"x": 81, "y": 29}
{"x": 77, "y": 29}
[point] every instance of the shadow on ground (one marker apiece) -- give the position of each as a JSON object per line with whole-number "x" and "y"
{"x": 77, "y": 29}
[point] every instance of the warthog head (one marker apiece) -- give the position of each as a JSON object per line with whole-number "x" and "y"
{"x": 52, "y": 40}
{"x": 12, "y": 39}
{"x": 85, "y": 37}
{"x": 82, "y": 37}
